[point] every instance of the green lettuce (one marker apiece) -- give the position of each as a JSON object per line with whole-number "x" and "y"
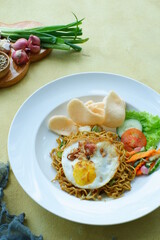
{"x": 150, "y": 126}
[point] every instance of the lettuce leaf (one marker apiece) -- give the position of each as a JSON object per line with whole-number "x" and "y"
{"x": 150, "y": 125}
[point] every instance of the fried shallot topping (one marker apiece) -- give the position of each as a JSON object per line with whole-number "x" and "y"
{"x": 84, "y": 151}
{"x": 103, "y": 152}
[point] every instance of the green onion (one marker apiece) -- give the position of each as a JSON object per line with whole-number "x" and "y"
{"x": 62, "y": 143}
{"x": 111, "y": 182}
{"x": 155, "y": 166}
{"x": 137, "y": 162}
{"x": 59, "y": 154}
{"x": 63, "y": 37}
{"x": 148, "y": 164}
{"x": 96, "y": 128}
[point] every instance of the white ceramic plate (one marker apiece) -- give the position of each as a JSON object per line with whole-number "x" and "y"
{"x": 30, "y": 143}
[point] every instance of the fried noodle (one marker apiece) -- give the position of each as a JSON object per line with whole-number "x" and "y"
{"x": 115, "y": 187}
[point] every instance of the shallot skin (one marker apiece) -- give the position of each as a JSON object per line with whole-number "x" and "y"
{"x": 20, "y": 57}
{"x": 21, "y": 43}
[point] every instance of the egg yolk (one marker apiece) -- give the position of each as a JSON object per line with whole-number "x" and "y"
{"x": 84, "y": 172}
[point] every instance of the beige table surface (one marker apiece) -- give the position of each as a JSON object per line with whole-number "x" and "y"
{"x": 124, "y": 39}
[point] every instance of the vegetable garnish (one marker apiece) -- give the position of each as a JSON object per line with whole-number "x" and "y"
{"x": 129, "y": 123}
{"x": 140, "y": 134}
{"x": 140, "y": 164}
{"x": 141, "y": 169}
{"x": 96, "y": 128}
{"x": 150, "y": 125}
{"x": 140, "y": 155}
{"x": 145, "y": 163}
{"x": 63, "y": 37}
{"x": 154, "y": 168}
{"x": 144, "y": 170}
{"x": 133, "y": 138}
{"x": 59, "y": 154}
{"x": 139, "y": 172}
{"x": 129, "y": 154}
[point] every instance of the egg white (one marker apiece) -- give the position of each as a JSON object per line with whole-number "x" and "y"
{"x": 105, "y": 167}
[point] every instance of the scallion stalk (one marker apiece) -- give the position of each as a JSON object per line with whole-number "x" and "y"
{"x": 63, "y": 37}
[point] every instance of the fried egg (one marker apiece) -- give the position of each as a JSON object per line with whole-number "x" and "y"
{"x": 95, "y": 172}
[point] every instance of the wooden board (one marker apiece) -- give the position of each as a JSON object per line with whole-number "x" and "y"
{"x": 16, "y": 73}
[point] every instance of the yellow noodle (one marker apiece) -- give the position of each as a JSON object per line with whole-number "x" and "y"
{"x": 117, "y": 185}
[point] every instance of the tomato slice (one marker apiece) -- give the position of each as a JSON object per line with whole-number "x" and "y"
{"x": 133, "y": 138}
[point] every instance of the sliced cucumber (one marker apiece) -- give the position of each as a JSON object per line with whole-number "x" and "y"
{"x": 130, "y": 123}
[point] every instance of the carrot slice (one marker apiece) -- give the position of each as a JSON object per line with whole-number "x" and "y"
{"x": 139, "y": 172}
{"x": 139, "y": 166}
{"x": 152, "y": 165}
{"x": 157, "y": 152}
{"x": 140, "y": 155}
{"x": 136, "y": 150}
{"x": 129, "y": 154}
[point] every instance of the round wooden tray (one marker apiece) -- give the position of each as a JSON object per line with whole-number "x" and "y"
{"x": 16, "y": 73}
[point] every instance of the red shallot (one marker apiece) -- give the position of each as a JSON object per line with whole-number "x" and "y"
{"x": 20, "y": 57}
{"x": 144, "y": 170}
{"x": 34, "y": 44}
{"x": 34, "y": 40}
{"x": 21, "y": 43}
